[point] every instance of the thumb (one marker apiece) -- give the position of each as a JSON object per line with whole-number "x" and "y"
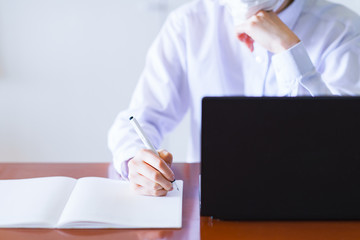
{"x": 166, "y": 156}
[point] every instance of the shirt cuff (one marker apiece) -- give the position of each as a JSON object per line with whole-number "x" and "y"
{"x": 121, "y": 161}
{"x": 122, "y": 168}
{"x": 291, "y": 67}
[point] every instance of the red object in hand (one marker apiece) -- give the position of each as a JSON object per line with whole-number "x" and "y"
{"x": 243, "y": 37}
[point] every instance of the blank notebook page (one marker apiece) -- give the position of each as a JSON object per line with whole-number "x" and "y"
{"x": 103, "y": 202}
{"x": 33, "y": 202}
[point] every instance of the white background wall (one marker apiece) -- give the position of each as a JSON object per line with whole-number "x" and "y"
{"x": 67, "y": 67}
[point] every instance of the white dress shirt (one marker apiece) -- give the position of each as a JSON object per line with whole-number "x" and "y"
{"x": 197, "y": 54}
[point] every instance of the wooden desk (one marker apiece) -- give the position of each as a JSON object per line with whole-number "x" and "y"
{"x": 194, "y": 227}
{"x": 191, "y": 219}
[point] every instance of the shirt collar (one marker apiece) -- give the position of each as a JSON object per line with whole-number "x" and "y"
{"x": 292, "y": 13}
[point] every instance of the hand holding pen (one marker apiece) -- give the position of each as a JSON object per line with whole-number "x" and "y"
{"x": 149, "y": 171}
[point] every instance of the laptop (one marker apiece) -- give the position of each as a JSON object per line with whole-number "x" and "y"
{"x": 280, "y": 158}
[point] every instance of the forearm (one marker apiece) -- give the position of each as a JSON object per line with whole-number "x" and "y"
{"x": 296, "y": 74}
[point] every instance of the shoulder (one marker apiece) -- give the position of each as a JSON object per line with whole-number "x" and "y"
{"x": 193, "y": 9}
{"x": 196, "y": 12}
{"x": 333, "y": 13}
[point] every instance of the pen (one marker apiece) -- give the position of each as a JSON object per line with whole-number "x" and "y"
{"x": 145, "y": 140}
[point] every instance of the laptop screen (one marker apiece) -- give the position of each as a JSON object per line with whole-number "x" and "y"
{"x": 280, "y": 158}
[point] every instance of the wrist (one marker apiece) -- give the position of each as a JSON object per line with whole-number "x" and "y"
{"x": 287, "y": 43}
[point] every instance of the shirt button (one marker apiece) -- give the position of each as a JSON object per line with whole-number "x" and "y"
{"x": 259, "y": 59}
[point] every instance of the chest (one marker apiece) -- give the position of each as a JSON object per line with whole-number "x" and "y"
{"x": 225, "y": 67}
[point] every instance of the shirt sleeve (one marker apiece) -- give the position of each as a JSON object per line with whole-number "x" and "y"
{"x": 337, "y": 74}
{"x": 160, "y": 99}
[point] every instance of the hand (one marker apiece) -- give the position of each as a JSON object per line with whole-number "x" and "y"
{"x": 267, "y": 29}
{"x": 151, "y": 175}
{"x": 247, "y": 40}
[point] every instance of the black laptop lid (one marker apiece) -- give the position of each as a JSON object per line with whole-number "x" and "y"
{"x": 280, "y": 158}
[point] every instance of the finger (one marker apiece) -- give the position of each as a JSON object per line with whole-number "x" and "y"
{"x": 154, "y": 175}
{"x": 159, "y": 164}
{"x": 148, "y": 192}
{"x": 166, "y": 156}
{"x": 242, "y": 30}
{"x": 242, "y": 36}
{"x": 138, "y": 166}
{"x": 145, "y": 182}
{"x": 249, "y": 42}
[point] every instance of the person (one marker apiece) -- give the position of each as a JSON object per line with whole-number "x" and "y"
{"x": 301, "y": 48}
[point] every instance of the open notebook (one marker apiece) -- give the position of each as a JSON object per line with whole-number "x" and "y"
{"x": 91, "y": 202}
